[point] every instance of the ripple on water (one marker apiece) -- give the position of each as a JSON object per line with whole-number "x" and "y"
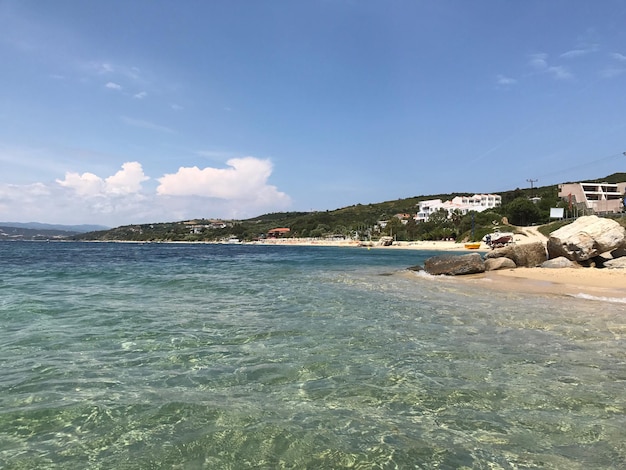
{"x": 200, "y": 357}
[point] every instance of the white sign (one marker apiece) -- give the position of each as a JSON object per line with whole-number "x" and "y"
{"x": 556, "y": 212}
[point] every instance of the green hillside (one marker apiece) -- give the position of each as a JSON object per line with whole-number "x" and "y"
{"x": 359, "y": 220}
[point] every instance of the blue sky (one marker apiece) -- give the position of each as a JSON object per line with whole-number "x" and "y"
{"x": 124, "y": 112}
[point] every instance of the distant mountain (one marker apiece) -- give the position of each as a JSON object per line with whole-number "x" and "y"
{"x": 56, "y": 227}
{"x": 39, "y": 231}
{"x": 17, "y": 233}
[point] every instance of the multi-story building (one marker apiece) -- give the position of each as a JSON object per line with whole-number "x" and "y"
{"x": 598, "y": 197}
{"x": 464, "y": 204}
{"x": 426, "y": 208}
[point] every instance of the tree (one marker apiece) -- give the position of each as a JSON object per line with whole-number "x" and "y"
{"x": 395, "y": 228}
{"x": 522, "y": 211}
{"x": 411, "y": 229}
{"x": 320, "y": 231}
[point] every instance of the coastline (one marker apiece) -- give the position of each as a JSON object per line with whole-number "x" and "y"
{"x": 416, "y": 245}
{"x": 593, "y": 282}
{"x": 601, "y": 284}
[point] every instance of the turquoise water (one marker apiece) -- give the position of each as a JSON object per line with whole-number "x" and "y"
{"x": 231, "y": 357}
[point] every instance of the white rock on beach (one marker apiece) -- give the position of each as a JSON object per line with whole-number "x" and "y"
{"x": 619, "y": 263}
{"x": 560, "y": 262}
{"x": 586, "y": 238}
{"x": 527, "y": 255}
{"x": 493, "y": 264}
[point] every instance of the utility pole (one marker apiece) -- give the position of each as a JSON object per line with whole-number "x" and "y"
{"x": 531, "y": 181}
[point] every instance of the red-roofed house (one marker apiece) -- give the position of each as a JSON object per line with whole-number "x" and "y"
{"x": 278, "y": 232}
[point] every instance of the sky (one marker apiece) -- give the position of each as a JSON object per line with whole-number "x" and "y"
{"x": 118, "y": 112}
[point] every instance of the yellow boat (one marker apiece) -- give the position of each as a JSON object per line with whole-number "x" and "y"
{"x": 472, "y": 246}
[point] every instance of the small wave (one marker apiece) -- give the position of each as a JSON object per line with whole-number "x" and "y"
{"x": 615, "y": 300}
{"x": 421, "y": 273}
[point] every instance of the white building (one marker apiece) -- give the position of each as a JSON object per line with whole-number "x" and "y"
{"x": 464, "y": 204}
{"x": 599, "y": 197}
{"x": 426, "y": 208}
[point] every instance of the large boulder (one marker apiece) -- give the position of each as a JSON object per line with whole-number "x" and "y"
{"x": 560, "y": 262}
{"x": 619, "y": 252}
{"x": 586, "y": 238}
{"x": 528, "y": 255}
{"x": 454, "y": 265}
{"x": 493, "y": 264}
{"x": 618, "y": 263}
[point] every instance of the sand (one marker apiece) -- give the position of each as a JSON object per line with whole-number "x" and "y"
{"x": 593, "y": 282}
{"x": 598, "y": 283}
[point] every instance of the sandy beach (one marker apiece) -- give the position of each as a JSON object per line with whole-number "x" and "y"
{"x": 597, "y": 283}
{"x": 603, "y": 283}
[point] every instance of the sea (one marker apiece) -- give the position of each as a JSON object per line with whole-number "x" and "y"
{"x": 201, "y": 356}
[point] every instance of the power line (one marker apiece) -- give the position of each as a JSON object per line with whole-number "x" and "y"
{"x": 587, "y": 163}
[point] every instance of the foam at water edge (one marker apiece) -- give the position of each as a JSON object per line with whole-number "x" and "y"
{"x": 616, "y": 300}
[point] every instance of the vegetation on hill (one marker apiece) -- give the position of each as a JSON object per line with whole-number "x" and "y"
{"x": 360, "y": 221}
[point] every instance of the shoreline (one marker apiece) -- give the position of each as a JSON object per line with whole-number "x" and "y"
{"x": 594, "y": 282}
{"x": 598, "y": 283}
{"x": 603, "y": 284}
{"x": 416, "y": 245}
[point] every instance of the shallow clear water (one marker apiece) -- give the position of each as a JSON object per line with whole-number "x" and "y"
{"x": 232, "y": 357}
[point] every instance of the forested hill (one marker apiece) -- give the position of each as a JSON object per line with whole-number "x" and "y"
{"x": 346, "y": 221}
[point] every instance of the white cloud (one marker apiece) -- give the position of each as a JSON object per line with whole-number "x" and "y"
{"x": 81, "y": 198}
{"x": 18, "y": 200}
{"x": 503, "y": 80}
{"x": 574, "y": 53}
{"x": 538, "y": 61}
{"x": 560, "y": 73}
{"x": 113, "y": 86}
{"x": 141, "y": 95}
{"x": 85, "y": 185}
{"x": 580, "y": 51}
{"x": 611, "y": 72}
{"x": 619, "y": 57}
{"x": 126, "y": 181}
{"x": 244, "y": 180}
{"x": 101, "y": 68}
{"x": 240, "y": 191}
{"x": 58, "y": 204}
{"x": 146, "y": 125}
{"x": 108, "y": 68}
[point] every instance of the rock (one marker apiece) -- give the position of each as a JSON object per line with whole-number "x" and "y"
{"x": 528, "y": 255}
{"x": 454, "y": 265}
{"x": 498, "y": 253}
{"x": 619, "y": 252}
{"x": 385, "y": 241}
{"x": 493, "y": 264}
{"x": 560, "y": 262}
{"x": 599, "y": 261}
{"x": 618, "y": 263}
{"x": 417, "y": 267}
{"x": 586, "y": 238}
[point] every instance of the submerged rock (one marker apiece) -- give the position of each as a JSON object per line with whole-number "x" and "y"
{"x": 417, "y": 267}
